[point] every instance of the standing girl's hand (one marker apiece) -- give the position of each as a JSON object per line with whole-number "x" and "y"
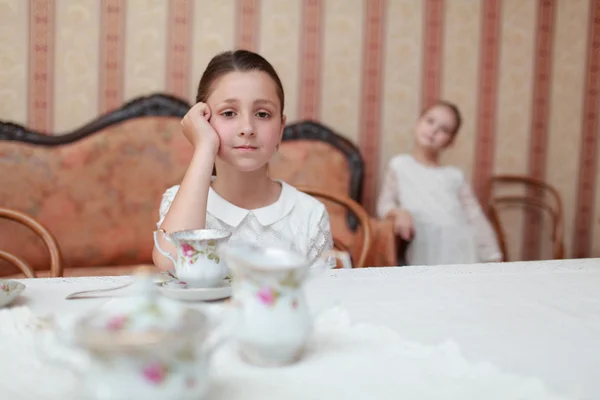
{"x": 403, "y": 224}
{"x": 198, "y": 130}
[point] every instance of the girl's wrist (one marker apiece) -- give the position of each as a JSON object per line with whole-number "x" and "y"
{"x": 202, "y": 163}
{"x": 392, "y": 214}
{"x": 205, "y": 152}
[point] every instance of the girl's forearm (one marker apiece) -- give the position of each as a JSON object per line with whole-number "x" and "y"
{"x": 188, "y": 209}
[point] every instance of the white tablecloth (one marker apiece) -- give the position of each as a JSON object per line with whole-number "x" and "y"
{"x": 539, "y": 320}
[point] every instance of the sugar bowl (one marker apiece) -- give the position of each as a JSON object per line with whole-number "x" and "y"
{"x": 140, "y": 347}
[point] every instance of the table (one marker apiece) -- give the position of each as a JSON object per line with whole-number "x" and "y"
{"x": 539, "y": 319}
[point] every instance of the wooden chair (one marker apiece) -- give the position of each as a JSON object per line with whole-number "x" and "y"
{"x": 539, "y": 196}
{"x": 56, "y": 267}
{"x": 353, "y": 207}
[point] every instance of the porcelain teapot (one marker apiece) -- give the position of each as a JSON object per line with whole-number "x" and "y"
{"x": 140, "y": 347}
{"x": 268, "y": 290}
{"x": 197, "y": 263}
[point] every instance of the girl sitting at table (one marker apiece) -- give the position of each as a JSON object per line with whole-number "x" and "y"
{"x": 236, "y": 126}
{"x": 432, "y": 205}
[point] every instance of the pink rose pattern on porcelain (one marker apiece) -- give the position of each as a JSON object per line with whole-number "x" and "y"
{"x": 116, "y": 323}
{"x": 8, "y": 287}
{"x": 270, "y": 294}
{"x": 125, "y": 321}
{"x": 5, "y": 286}
{"x": 190, "y": 253}
{"x": 155, "y": 372}
{"x": 267, "y": 295}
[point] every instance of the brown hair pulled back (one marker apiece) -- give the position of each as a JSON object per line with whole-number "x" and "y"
{"x": 231, "y": 61}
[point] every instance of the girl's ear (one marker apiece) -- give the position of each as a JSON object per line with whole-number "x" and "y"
{"x": 283, "y": 120}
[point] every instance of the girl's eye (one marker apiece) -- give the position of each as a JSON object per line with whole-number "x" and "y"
{"x": 263, "y": 114}
{"x": 228, "y": 113}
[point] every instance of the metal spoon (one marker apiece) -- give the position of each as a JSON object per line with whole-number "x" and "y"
{"x": 86, "y": 294}
{"x": 92, "y": 293}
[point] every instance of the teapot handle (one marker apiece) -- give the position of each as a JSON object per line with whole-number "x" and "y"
{"x": 324, "y": 264}
{"x": 160, "y": 250}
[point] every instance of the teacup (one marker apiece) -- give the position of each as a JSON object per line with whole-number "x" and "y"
{"x": 197, "y": 262}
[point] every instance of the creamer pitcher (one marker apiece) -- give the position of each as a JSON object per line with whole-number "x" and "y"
{"x": 268, "y": 288}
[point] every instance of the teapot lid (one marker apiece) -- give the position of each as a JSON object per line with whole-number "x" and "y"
{"x": 139, "y": 322}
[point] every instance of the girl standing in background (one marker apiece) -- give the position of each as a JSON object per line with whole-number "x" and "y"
{"x": 433, "y": 206}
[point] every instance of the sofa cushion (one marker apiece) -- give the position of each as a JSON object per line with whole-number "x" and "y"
{"x": 99, "y": 196}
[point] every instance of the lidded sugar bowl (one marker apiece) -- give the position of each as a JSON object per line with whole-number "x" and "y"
{"x": 144, "y": 346}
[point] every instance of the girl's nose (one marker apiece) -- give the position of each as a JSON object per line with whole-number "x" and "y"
{"x": 247, "y": 128}
{"x": 247, "y": 131}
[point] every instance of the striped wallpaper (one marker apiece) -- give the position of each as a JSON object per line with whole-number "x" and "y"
{"x": 525, "y": 74}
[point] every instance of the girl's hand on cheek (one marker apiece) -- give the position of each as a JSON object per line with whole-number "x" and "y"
{"x": 198, "y": 130}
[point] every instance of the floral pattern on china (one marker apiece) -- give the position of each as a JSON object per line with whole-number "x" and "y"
{"x": 271, "y": 293}
{"x": 5, "y": 286}
{"x": 9, "y": 291}
{"x": 197, "y": 262}
{"x": 191, "y": 254}
{"x": 268, "y": 289}
{"x": 144, "y": 346}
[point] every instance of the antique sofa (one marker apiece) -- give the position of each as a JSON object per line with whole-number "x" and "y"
{"x": 97, "y": 189}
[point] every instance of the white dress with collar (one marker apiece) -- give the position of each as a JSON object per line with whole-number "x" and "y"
{"x": 296, "y": 221}
{"x": 450, "y": 226}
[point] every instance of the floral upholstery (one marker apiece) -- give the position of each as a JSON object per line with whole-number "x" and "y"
{"x": 100, "y": 195}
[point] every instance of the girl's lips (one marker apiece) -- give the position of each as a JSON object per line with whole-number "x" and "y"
{"x": 245, "y": 148}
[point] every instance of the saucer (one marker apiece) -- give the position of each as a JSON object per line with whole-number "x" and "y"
{"x": 9, "y": 290}
{"x": 178, "y": 290}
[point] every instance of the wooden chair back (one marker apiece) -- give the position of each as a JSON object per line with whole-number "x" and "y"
{"x": 356, "y": 209}
{"x": 56, "y": 267}
{"x": 539, "y": 197}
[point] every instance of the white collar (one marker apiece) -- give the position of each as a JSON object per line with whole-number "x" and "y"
{"x": 233, "y": 215}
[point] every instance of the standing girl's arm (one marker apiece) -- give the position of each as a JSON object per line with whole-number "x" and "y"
{"x": 488, "y": 249}
{"x": 188, "y": 209}
{"x": 388, "y": 197}
{"x": 388, "y": 206}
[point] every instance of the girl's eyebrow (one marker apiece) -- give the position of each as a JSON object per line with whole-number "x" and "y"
{"x": 265, "y": 101}
{"x": 257, "y": 101}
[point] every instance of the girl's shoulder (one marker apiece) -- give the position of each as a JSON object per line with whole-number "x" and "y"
{"x": 304, "y": 203}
